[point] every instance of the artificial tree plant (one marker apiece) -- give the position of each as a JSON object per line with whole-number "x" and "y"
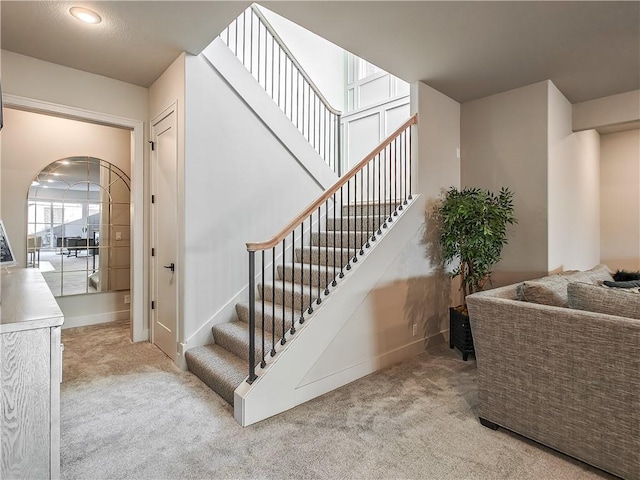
{"x": 473, "y": 224}
{"x": 474, "y": 231}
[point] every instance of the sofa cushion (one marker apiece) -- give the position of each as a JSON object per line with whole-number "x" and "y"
{"x": 551, "y": 290}
{"x": 596, "y": 275}
{"x": 599, "y": 299}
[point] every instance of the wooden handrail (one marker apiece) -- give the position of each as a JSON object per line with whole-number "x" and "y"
{"x": 293, "y": 224}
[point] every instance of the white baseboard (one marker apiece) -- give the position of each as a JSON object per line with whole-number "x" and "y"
{"x": 86, "y": 320}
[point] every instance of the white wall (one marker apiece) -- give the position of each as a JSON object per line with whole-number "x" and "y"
{"x": 573, "y": 190}
{"x": 620, "y": 200}
{"x": 32, "y": 78}
{"x": 436, "y": 167}
{"x": 32, "y": 141}
{"x": 321, "y": 59}
{"x": 243, "y": 183}
{"x": 504, "y": 143}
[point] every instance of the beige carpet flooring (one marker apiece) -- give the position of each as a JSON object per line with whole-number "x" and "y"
{"x": 129, "y": 413}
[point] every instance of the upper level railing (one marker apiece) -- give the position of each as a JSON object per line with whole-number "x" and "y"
{"x": 373, "y": 192}
{"x": 261, "y": 50}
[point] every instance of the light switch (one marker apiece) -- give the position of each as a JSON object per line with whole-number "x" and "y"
{"x": 118, "y": 235}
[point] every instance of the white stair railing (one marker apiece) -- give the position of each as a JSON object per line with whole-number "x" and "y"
{"x": 261, "y": 50}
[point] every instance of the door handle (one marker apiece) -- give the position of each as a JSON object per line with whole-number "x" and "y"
{"x": 171, "y": 267}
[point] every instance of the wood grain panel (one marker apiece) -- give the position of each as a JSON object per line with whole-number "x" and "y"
{"x": 25, "y": 404}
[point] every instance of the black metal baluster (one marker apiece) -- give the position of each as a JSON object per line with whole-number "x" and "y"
{"x": 319, "y": 299}
{"x": 360, "y": 231}
{"x": 286, "y": 64}
{"x": 284, "y": 314}
{"x": 326, "y": 248}
{"x": 390, "y": 219}
{"x": 396, "y": 180}
{"x": 273, "y": 301}
{"x": 373, "y": 203}
{"x": 293, "y": 263}
{"x": 379, "y": 157}
{"x": 263, "y": 363}
{"x": 252, "y": 318}
{"x": 384, "y": 177}
{"x": 292, "y": 92}
{"x": 403, "y": 170}
{"x": 349, "y": 225}
{"x": 341, "y": 232}
{"x": 302, "y": 307}
{"x": 335, "y": 247}
{"x": 355, "y": 218}
{"x": 368, "y": 245}
{"x": 310, "y": 264}
{"x": 410, "y": 169}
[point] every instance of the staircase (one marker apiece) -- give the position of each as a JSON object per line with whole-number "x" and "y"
{"x": 224, "y": 365}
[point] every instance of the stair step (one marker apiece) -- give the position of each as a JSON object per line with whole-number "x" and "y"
{"x": 218, "y": 368}
{"x": 345, "y": 240}
{"x": 234, "y": 337}
{"x": 355, "y": 222}
{"x": 327, "y": 255}
{"x": 242, "y": 310}
{"x": 307, "y": 273}
{"x": 301, "y": 296}
{"x": 371, "y": 208}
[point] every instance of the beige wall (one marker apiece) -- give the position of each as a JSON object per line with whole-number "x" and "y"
{"x": 620, "y": 200}
{"x": 31, "y": 141}
{"x": 602, "y": 112}
{"x": 573, "y": 190}
{"x": 504, "y": 143}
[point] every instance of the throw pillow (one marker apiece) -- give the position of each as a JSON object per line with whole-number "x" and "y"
{"x": 628, "y": 284}
{"x": 594, "y": 298}
{"x": 624, "y": 276}
{"x": 551, "y": 290}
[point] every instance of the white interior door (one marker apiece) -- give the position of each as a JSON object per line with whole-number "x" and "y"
{"x": 164, "y": 160}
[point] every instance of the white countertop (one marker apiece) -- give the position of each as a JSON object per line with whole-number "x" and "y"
{"x": 27, "y": 303}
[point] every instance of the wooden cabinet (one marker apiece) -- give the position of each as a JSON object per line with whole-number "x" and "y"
{"x": 30, "y": 376}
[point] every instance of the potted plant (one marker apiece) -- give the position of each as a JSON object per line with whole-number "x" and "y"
{"x": 473, "y": 225}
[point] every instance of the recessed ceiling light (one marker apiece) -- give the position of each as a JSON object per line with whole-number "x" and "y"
{"x": 85, "y": 15}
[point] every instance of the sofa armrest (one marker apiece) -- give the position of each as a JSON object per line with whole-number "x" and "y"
{"x": 566, "y": 378}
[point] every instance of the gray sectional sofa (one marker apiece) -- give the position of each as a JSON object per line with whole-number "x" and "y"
{"x": 559, "y": 362}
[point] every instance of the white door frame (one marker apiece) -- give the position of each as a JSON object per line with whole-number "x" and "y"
{"x": 139, "y": 288}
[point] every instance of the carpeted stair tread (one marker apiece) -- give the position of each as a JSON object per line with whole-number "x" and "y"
{"x": 291, "y": 290}
{"x": 218, "y": 368}
{"x": 354, "y": 222}
{"x": 343, "y": 240}
{"x": 242, "y": 310}
{"x": 310, "y": 255}
{"x": 234, "y": 337}
{"x": 371, "y": 208}
{"x": 307, "y": 273}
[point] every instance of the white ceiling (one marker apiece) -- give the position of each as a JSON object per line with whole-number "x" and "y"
{"x": 135, "y": 42}
{"x": 466, "y": 50}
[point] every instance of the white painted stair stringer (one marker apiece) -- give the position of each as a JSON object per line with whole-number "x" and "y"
{"x": 350, "y": 335}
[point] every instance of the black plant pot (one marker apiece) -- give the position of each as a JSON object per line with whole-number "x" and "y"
{"x": 460, "y": 333}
